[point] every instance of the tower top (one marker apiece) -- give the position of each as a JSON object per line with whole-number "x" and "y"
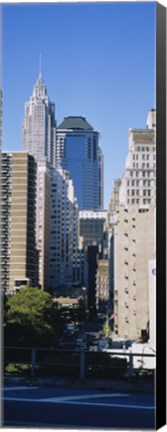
{"x": 40, "y": 65}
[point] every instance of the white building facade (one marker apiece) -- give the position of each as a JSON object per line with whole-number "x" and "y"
{"x": 138, "y": 184}
{"x": 43, "y": 221}
{"x": 63, "y": 229}
{"x": 132, "y": 235}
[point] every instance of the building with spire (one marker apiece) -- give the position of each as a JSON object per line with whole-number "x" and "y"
{"x": 39, "y": 125}
{"x": 78, "y": 152}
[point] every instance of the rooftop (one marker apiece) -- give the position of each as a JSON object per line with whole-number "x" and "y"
{"x": 75, "y": 123}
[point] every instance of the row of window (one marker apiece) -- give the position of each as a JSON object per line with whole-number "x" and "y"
{"x": 145, "y": 192}
{"x": 143, "y": 156}
{"x": 139, "y": 201}
{"x": 148, "y": 183}
{"x": 146, "y": 148}
{"x": 144, "y": 165}
{"x": 141, "y": 173}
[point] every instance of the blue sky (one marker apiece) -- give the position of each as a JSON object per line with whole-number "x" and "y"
{"x": 98, "y": 61}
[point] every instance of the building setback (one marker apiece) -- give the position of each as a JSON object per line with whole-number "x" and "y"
{"x": 18, "y": 206}
{"x": 78, "y": 151}
{"x": 39, "y": 125}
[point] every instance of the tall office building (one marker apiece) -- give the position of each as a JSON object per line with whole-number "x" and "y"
{"x": 63, "y": 230}
{"x": 39, "y": 125}
{"x": 139, "y": 180}
{"x": 131, "y": 224}
{"x": 78, "y": 151}
{"x": 18, "y": 209}
{"x": 133, "y": 246}
{"x": 43, "y": 221}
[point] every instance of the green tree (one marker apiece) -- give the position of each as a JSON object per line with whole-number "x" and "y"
{"x": 30, "y": 319}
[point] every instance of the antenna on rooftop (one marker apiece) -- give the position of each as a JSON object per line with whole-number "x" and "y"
{"x": 40, "y": 64}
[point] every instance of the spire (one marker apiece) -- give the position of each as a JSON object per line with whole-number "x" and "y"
{"x": 40, "y": 65}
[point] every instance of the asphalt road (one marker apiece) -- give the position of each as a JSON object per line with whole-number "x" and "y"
{"x": 65, "y": 407}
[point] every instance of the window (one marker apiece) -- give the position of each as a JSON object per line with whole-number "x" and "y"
{"x": 133, "y": 182}
{"x": 143, "y": 165}
{"x": 143, "y": 157}
{"x": 133, "y": 200}
{"x": 148, "y": 156}
{"x": 144, "y": 192}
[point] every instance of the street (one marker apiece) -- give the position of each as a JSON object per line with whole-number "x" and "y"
{"x": 73, "y": 407}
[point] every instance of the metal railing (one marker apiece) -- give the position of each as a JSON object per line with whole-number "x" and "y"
{"x": 77, "y": 363}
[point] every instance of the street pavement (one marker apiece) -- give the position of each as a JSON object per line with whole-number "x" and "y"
{"x": 72, "y": 407}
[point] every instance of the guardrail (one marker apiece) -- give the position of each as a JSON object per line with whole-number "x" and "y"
{"x": 69, "y": 363}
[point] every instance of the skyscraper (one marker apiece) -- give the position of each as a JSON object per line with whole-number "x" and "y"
{"x": 18, "y": 209}
{"x": 63, "y": 229}
{"x": 39, "y": 125}
{"x": 78, "y": 151}
{"x": 43, "y": 221}
{"x": 131, "y": 226}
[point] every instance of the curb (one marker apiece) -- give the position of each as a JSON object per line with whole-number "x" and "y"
{"x": 112, "y": 385}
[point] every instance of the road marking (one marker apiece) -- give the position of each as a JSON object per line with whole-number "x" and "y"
{"x": 20, "y": 388}
{"x": 87, "y": 396}
{"x": 71, "y": 402}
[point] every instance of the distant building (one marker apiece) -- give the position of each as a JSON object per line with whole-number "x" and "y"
{"x": 78, "y": 151}
{"x": 92, "y": 259}
{"x": 102, "y": 286}
{"x": 138, "y": 184}
{"x": 91, "y": 226}
{"x": 39, "y": 125}
{"x": 18, "y": 212}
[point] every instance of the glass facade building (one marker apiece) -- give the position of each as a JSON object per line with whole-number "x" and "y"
{"x": 78, "y": 152}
